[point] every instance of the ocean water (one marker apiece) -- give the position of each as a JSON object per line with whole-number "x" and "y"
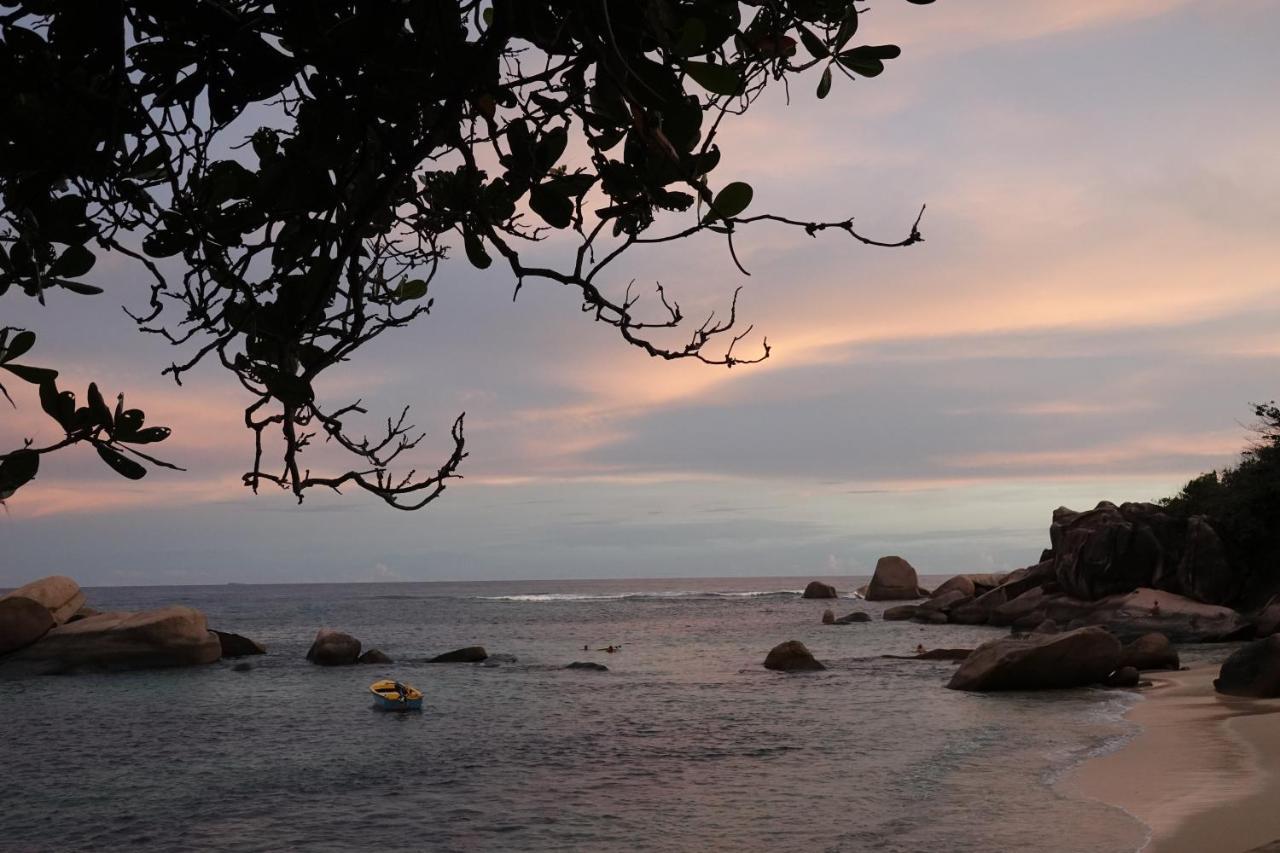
{"x": 686, "y": 743}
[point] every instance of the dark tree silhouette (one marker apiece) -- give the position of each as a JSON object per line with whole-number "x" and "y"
{"x": 292, "y": 175}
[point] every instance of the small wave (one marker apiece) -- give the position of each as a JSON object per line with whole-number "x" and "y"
{"x": 687, "y": 595}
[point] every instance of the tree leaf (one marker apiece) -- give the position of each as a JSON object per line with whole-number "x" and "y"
{"x": 17, "y": 469}
{"x": 824, "y": 85}
{"x": 868, "y": 60}
{"x": 34, "y": 375}
{"x": 150, "y": 435}
{"x": 813, "y": 44}
{"x": 715, "y": 78}
{"x": 411, "y": 288}
{"x": 21, "y": 342}
{"x": 475, "y": 250}
{"x": 98, "y": 408}
{"x": 552, "y": 205}
{"x": 74, "y": 262}
{"x": 729, "y": 202}
{"x": 81, "y": 288}
{"x": 120, "y": 463}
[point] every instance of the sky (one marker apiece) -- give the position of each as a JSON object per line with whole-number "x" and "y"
{"x": 1093, "y": 309}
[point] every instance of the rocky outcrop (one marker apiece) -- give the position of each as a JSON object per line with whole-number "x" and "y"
{"x": 1073, "y": 659}
{"x": 169, "y": 636}
{"x": 901, "y": 613}
{"x": 1146, "y": 611}
{"x": 83, "y": 613}
{"x": 374, "y": 656}
{"x": 894, "y": 580}
{"x": 1029, "y": 603}
{"x": 946, "y": 602}
{"x": 818, "y": 589}
{"x": 961, "y": 583}
{"x": 1150, "y": 651}
{"x": 470, "y": 654}
{"x": 22, "y": 622}
{"x": 855, "y": 616}
{"x": 791, "y": 656}
{"x": 1252, "y": 670}
{"x": 59, "y": 594}
{"x": 828, "y": 617}
{"x": 1267, "y": 622}
{"x": 589, "y": 665}
{"x": 934, "y": 654}
{"x": 978, "y": 611}
{"x": 236, "y": 646}
{"x": 1111, "y": 550}
{"x": 1020, "y": 581}
{"x": 1048, "y": 626}
{"x": 333, "y": 648}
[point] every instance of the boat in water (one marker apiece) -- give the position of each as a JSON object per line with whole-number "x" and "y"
{"x": 393, "y": 696}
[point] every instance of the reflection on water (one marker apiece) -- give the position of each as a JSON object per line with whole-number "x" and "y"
{"x": 685, "y": 744}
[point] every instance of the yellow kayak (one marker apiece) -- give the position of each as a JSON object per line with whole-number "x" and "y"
{"x": 395, "y": 696}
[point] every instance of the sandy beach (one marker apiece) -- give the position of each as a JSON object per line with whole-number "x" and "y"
{"x": 1201, "y": 774}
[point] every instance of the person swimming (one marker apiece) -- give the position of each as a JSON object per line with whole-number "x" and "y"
{"x": 920, "y": 649}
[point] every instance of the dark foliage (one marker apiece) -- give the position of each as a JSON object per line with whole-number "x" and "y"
{"x": 1243, "y": 502}
{"x": 291, "y": 175}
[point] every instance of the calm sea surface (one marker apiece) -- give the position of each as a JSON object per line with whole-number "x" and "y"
{"x": 686, "y": 743}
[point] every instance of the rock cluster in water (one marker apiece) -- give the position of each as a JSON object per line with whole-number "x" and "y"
{"x": 46, "y": 628}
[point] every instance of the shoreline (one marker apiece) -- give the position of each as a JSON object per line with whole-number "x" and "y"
{"x": 1197, "y": 774}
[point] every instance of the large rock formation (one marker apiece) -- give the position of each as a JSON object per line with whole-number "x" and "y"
{"x": 1115, "y": 549}
{"x": 960, "y": 583}
{"x": 170, "y": 636}
{"x": 791, "y": 656}
{"x": 894, "y": 580}
{"x": 978, "y": 611}
{"x": 818, "y": 589}
{"x": 1145, "y": 611}
{"x": 471, "y": 654}
{"x": 236, "y": 646}
{"x": 1252, "y": 670}
{"x": 374, "y": 656}
{"x": 1029, "y": 603}
{"x": 22, "y": 622}
{"x": 333, "y": 648}
{"x": 1074, "y": 659}
{"x": 59, "y": 594}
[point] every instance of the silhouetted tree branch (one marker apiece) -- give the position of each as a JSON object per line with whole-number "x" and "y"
{"x": 292, "y": 175}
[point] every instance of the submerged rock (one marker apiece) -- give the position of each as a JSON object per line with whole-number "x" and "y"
{"x": 374, "y": 656}
{"x": 934, "y": 654}
{"x": 894, "y": 580}
{"x": 1125, "y": 676}
{"x": 22, "y": 622}
{"x": 333, "y": 648}
{"x": 470, "y": 654}
{"x": 59, "y": 594}
{"x": 818, "y": 589}
{"x": 1074, "y": 659}
{"x": 1252, "y": 670}
{"x": 169, "y": 636}
{"x": 586, "y": 664}
{"x": 855, "y": 616}
{"x": 791, "y": 656}
{"x": 236, "y": 646}
{"x": 1150, "y": 651}
{"x": 242, "y": 667}
{"x": 828, "y": 617}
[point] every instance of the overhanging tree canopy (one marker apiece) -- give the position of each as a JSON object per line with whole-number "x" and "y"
{"x": 293, "y": 174}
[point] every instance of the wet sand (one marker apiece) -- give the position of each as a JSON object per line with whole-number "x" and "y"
{"x": 1204, "y": 772}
